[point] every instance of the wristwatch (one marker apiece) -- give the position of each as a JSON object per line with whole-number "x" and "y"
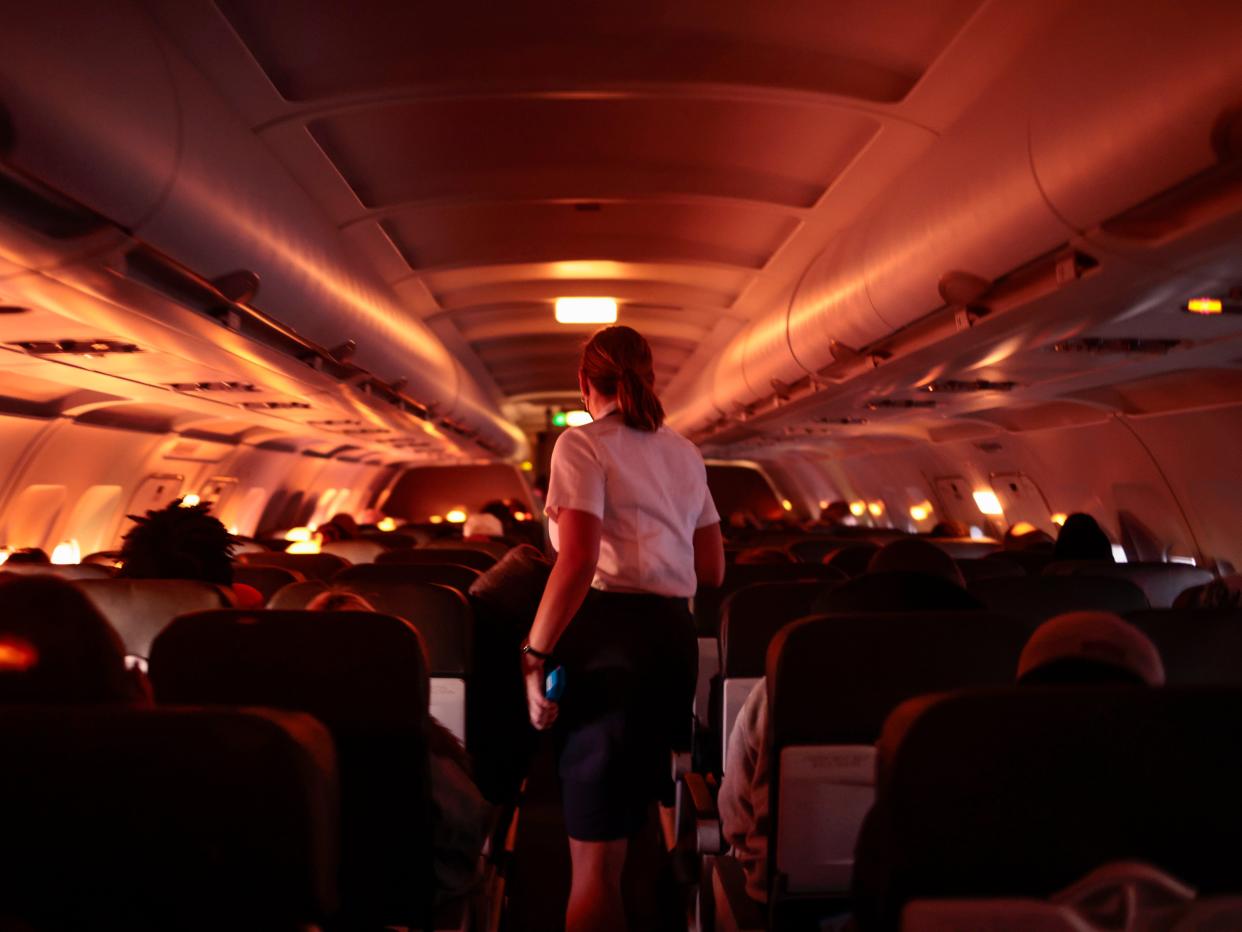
{"x": 537, "y": 654}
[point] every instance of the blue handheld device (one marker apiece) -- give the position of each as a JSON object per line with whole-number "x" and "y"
{"x": 554, "y": 685}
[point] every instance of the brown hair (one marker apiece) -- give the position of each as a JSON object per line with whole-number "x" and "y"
{"x": 617, "y": 361}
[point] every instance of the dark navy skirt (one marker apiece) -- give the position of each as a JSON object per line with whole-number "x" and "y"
{"x": 630, "y": 664}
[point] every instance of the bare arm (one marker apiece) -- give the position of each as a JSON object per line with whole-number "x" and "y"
{"x": 709, "y": 559}
{"x": 579, "y": 534}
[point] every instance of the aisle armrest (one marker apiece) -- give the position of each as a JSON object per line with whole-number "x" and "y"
{"x": 700, "y": 804}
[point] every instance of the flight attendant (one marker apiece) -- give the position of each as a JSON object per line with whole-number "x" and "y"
{"x": 636, "y": 532}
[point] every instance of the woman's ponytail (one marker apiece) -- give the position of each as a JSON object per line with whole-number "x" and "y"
{"x": 617, "y": 361}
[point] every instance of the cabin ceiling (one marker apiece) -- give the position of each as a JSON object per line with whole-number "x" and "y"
{"x": 685, "y": 158}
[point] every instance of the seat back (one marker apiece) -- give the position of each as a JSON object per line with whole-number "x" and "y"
{"x": 355, "y": 551}
{"x": 267, "y": 579}
{"x": 814, "y": 549}
{"x": 1021, "y": 791}
{"x": 832, "y": 680}
{"x": 445, "y": 574}
{"x": 72, "y": 571}
{"x": 493, "y": 548}
{"x": 851, "y": 559}
{"x": 444, "y": 618}
{"x": 1032, "y": 561}
{"x": 364, "y": 676}
{"x": 964, "y": 548}
{"x": 1044, "y": 597}
{"x": 1161, "y": 582}
{"x": 750, "y": 618}
{"x": 1199, "y": 647}
{"x": 708, "y": 599}
{"x": 166, "y": 818}
{"x": 140, "y": 609}
{"x": 461, "y": 556}
{"x": 310, "y": 565}
{"x": 974, "y": 569}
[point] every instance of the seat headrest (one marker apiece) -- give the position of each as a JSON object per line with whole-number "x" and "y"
{"x": 140, "y": 608}
{"x": 429, "y": 554}
{"x": 1044, "y": 597}
{"x": 355, "y": 551}
{"x": 751, "y": 617}
{"x": 832, "y": 679}
{"x": 896, "y": 592}
{"x": 1199, "y": 647}
{"x": 452, "y": 575}
{"x": 64, "y": 571}
{"x": 310, "y": 565}
{"x": 851, "y": 559}
{"x": 1022, "y": 790}
{"x": 708, "y": 599}
{"x": 1161, "y": 582}
{"x": 349, "y": 669}
{"x": 167, "y": 818}
{"x": 267, "y": 579}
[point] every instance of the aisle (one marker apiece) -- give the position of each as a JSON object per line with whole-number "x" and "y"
{"x": 538, "y": 878}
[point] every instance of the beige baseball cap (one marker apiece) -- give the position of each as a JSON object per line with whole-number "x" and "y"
{"x": 1101, "y": 637}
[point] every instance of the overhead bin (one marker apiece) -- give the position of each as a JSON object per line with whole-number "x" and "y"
{"x": 115, "y": 118}
{"x": 1116, "y": 104}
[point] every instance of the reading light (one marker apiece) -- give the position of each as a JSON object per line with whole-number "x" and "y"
{"x": 189, "y": 501}
{"x": 436, "y": 519}
{"x": 586, "y": 310}
{"x": 987, "y": 502}
{"x": 528, "y": 466}
{"x": 455, "y": 516}
{"x": 1022, "y": 528}
{"x": 298, "y": 535}
{"x": 577, "y": 418}
{"x": 876, "y": 509}
{"x": 521, "y": 516}
{"x": 303, "y": 546}
{"x": 387, "y": 524}
{"x": 787, "y": 504}
{"x": 66, "y": 553}
{"x": 1205, "y": 306}
{"x": 1059, "y": 518}
{"x": 823, "y": 504}
{"x": 858, "y": 509}
{"x": 921, "y": 512}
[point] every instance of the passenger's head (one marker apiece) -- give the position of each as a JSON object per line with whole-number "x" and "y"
{"x": 950, "y": 529}
{"x": 835, "y": 513}
{"x": 617, "y": 363}
{"x": 28, "y": 555}
{"x": 178, "y": 542}
{"x": 55, "y": 646}
{"x": 911, "y": 555}
{"x": 339, "y": 600}
{"x": 1025, "y": 536}
{"x": 1081, "y": 538}
{"x": 340, "y": 527}
{"x": 480, "y": 525}
{"x": 1090, "y": 648}
{"x": 754, "y": 556}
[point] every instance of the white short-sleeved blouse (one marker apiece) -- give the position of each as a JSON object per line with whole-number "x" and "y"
{"x": 649, "y": 490}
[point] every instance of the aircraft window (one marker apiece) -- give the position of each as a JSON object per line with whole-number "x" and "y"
{"x": 32, "y": 515}
{"x": 1022, "y": 500}
{"x": 246, "y": 517}
{"x": 94, "y": 516}
{"x": 1119, "y": 553}
{"x": 66, "y": 553}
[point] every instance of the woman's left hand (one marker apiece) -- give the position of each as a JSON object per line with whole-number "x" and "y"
{"x": 542, "y": 710}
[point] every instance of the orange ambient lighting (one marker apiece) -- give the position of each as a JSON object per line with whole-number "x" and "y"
{"x": 987, "y": 502}
{"x": 66, "y": 553}
{"x": 876, "y": 509}
{"x": 787, "y": 504}
{"x": 586, "y": 310}
{"x": 858, "y": 509}
{"x": 921, "y": 512}
{"x": 17, "y": 655}
{"x": 1205, "y": 306}
{"x": 303, "y": 546}
{"x": 436, "y": 519}
{"x": 387, "y": 524}
{"x": 456, "y": 516}
{"x": 298, "y": 534}
{"x": 1022, "y": 528}
{"x": 1059, "y": 519}
{"x": 189, "y": 500}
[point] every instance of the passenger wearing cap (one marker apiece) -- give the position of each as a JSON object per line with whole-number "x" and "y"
{"x": 1085, "y": 648}
{"x": 905, "y": 575}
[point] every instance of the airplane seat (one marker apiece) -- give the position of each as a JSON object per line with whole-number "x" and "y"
{"x": 1201, "y": 646}
{"x": 851, "y": 559}
{"x": 814, "y": 550}
{"x": 167, "y": 818}
{"x": 355, "y": 551}
{"x": 1162, "y": 582}
{"x": 896, "y": 591}
{"x": 1032, "y": 561}
{"x": 974, "y": 569}
{"x": 965, "y": 547}
{"x": 310, "y": 565}
{"x": 443, "y": 617}
{"x": 1042, "y": 597}
{"x": 832, "y": 680}
{"x": 1019, "y": 792}
{"x": 246, "y": 545}
{"x": 266, "y": 579}
{"x": 365, "y": 676}
{"x": 749, "y": 619}
{"x": 452, "y": 575}
{"x": 71, "y": 571}
{"x": 461, "y": 556}
{"x": 493, "y": 548}
{"x": 396, "y": 540}
{"x": 1072, "y": 567}
{"x": 139, "y": 609}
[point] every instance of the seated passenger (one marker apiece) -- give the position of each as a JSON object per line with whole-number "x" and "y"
{"x": 29, "y": 555}
{"x": 55, "y": 647}
{"x": 1024, "y": 536}
{"x": 949, "y": 528}
{"x": 1081, "y": 538}
{"x": 905, "y": 575}
{"x": 1085, "y": 648}
{"x": 339, "y": 527}
{"x": 743, "y": 799}
{"x": 482, "y": 526}
{"x": 180, "y": 542}
{"x": 463, "y": 816}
